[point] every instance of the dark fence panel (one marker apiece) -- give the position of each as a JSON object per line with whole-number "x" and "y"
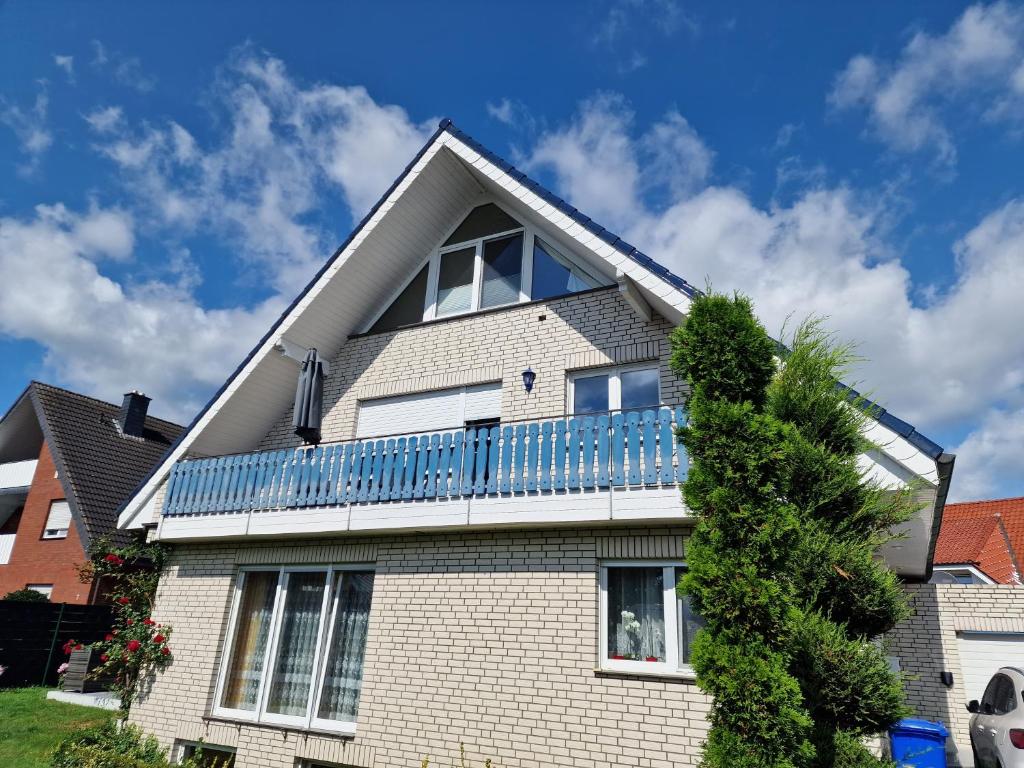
{"x": 32, "y": 636}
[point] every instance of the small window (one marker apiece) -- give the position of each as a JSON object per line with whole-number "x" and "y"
{"x": 297, "y": 644}
{"x": 455, "y": 282}
{"x": 632, "y": 388}
{"x": 209, "y": 756}
{"x": 503, "y": 263}
{"x": 639, "y": 388}
{"x": 646, "y": 626}
{"x": 46, "y": 590}
{"x": 556, "y": 275}
{"x": 482, "y": 221}
{"x": 407, "y": 308}
{"x": 591, "y": 394}
{"x": 57, "y": 521}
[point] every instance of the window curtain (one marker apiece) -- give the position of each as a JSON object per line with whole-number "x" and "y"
{"x": 242, "y": 685}
{"x": 343, "y": 673}
{"x": 636, "y": 615}
{"x": 300, "y": 621}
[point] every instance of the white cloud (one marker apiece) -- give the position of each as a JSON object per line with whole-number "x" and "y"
{"x": 951, "y": 361}
{"x": 104, "y": 119}
{"x": 278, "y": 150}
{"x": 126, "y": 70}
{"x": 261, "y": 182}
{"x": 30, "y": 127}
{"x": 990, "y": 461}
{"x": 598, "y": 163}
{"x": 665, "y": 16}
{"x": 67, "y": 64}
{"x": 972, "y": 67}
{"x": 103, "y": 336}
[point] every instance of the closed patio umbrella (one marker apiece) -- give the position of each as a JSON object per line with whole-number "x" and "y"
{"x": 309, "y": 397}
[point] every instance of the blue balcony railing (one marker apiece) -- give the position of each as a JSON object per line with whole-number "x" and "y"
{"x": 637, "y": 448}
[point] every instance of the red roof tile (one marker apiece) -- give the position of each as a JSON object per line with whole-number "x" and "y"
{"x": 986, "y": 534}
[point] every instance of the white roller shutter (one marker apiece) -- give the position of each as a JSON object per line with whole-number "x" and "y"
{"x": 482, "y": 402}
{"x": 983, "y": 653}
{"x": 428, "y": 411}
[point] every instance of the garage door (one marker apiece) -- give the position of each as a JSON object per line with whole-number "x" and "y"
{"x": 428, "y": 411}
{"x": 982, "y": 653}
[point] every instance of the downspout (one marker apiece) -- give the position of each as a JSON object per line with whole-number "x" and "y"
{"x": 944, "y": 465}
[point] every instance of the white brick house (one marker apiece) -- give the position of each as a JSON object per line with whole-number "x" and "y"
{"x": 460, "y": 559}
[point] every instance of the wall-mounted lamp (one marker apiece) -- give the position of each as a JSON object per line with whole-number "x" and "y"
{"x": 946, "y": 678}
{"x": 528, "y": 378}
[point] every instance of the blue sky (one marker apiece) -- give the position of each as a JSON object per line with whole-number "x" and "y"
{"x": 173, "y": 173}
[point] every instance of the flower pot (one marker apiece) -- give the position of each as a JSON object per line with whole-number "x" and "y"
{"x": 651, "y": 658}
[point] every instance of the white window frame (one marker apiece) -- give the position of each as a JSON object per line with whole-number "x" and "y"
{"x": 967, "y": 570}
{"x": 46, "y": 590}
{"x": 433, "y": 262}
{"x": 58, "y": 533}
{"x": 327, "y": 613}
{"x": 673, "y": 665}
{"x": 476, "y": 291}
{"x": 614, "y": 374}
{"x": 185, "y": 745}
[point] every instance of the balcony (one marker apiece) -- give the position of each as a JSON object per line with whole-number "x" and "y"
{"x": 17, "y": 475}
{"x": 614, "y": 466}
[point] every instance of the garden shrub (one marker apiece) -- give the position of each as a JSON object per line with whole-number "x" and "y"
{"x": 783, "y": 562}
{"x": 25, "y": 595}
{"x": 116, "y": 745}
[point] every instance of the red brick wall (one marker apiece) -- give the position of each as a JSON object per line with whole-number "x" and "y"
{"x": 36, "y": 560}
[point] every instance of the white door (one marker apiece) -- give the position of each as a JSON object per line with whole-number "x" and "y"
{"x": 983, "y": 653}
{"x": 440, "y": 410}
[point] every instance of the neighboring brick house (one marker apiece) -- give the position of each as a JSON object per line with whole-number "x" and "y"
{"x": 67, "y": 463}
{"x": 484, "y": 546}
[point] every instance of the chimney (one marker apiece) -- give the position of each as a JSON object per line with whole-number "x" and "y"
{"x": 132, "y": 418}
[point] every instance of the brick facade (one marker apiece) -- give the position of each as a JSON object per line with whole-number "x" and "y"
{"x": 593, "y": 329}
{"x": 488, "y": 639}
{"x": 36, "y": 560}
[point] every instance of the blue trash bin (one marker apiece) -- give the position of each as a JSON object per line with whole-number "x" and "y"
{"x": 918, "y": 744}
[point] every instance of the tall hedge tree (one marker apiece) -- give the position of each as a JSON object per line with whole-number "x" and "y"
{"x": 781, "y": 563}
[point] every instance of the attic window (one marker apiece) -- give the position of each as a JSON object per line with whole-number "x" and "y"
{"x": 555, "y": 274}
{"x": 482, "y": 221}
{"x": 489, "y": 260}
{"x": 407, "y": 308}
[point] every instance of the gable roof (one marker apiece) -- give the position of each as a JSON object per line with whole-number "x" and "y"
{"x": 97, "y": 465}
{"x": 447, "y": 176}
{"x": 979, "y": 541}
{"x": 1009, "y": 512}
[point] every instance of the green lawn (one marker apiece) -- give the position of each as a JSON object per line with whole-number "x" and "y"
{"x": 31, "y": 726}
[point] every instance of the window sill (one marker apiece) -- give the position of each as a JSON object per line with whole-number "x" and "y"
{"x": 683, "y": 675}
{"x": 348, "y": 733}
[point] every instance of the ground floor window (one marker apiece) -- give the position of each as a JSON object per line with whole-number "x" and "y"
{"x": 645, "y": 625}
{"x": 295, "y": 647}
{"x": 209, "y": 756}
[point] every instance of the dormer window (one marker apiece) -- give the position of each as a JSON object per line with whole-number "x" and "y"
{"x": 489, "y": 260}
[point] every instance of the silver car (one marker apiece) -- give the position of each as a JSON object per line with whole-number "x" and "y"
{"x": 997, "y": 727}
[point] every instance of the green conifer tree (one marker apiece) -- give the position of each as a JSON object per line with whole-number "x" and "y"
{"x": 782, "y": 562}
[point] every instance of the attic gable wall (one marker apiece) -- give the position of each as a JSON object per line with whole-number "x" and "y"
{"x": 584, "y": 330}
